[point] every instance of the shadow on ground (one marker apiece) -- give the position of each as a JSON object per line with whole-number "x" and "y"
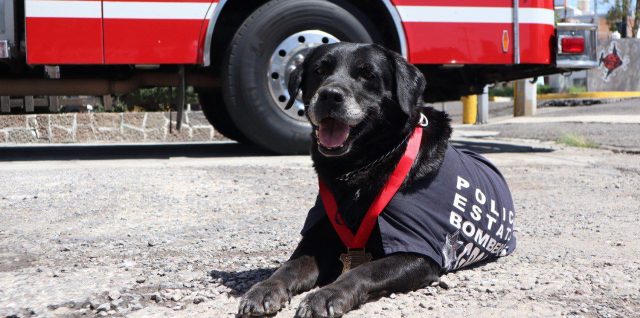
{"x": 484, "y": 147}
{"x": 239, "y": 282}
{"x": 193, "y": 150}
{"x": 134, "y": 151}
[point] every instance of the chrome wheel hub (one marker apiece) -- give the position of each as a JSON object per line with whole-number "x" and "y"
{"x": 287, "y": 56}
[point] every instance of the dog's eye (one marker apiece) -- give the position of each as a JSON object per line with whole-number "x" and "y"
{"x": 367, "y": 74}
{"x": 318, "y": 70}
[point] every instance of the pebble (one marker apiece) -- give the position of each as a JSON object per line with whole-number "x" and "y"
{"x": 430, "y": 291}
{"x": 157, "y": 297}
{"x": 94, "y": 304}
{"x": 114, "y": 294}
{"x": 116, "y": 303}
{"x": 447, "y": 284}
{"x": 176, "y": 296}
{"x": 104, "y": 307}
{"x": 140, "y": 280}
{"x": 198, "y": 299}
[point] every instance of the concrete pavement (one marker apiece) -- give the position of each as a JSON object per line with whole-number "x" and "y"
{"x": 614, "y": 126}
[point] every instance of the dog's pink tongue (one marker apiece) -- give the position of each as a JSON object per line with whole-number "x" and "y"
{"x": 332, "y": 133}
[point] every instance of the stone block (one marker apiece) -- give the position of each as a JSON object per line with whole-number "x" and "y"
{"x": 202, "y": 134}
{"x": 31, "y": 120}
{"x": 84, "y": 119}
{"x": 217, "y": 136}
{"x": 197, "y": 118}
{"x": 63, "y": 120}
{"x": 13, "y": 121}
{"x": 132, "y": 135}
{"x": 21, "y": 135}
{"x": 183, "y": 135}
{"x": 3, "y": 136}
{"x": 61, "y": 135}
{"x": 108, "y": 120}
{"x": 41, "y": 125}
{"x": 108, "y": 135}
{"x": 155, "y": 135}
{"x": 174, "y": 115}
{"x": 85, "y": 134}
{"x": 156, "y": 121}
{"x": 134, "y": 119}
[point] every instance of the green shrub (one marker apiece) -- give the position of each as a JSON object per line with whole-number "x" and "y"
{"x": 157, "y": 98}
{"x": 576, "y": 89}
{"x": 504, "y": 91}
{"x": 575, "y": 140}
{"x": 546, "y": 89}
{"x": 507, "y": 91}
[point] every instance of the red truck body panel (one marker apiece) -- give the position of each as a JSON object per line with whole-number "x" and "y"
{"x": 471, "y": 32}
{"x": 116, "y": 31}
{"x": 174, "y": 31}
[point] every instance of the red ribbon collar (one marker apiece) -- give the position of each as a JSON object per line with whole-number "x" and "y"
{"x": 359, "y": 240}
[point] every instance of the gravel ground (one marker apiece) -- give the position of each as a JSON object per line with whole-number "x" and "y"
{"x": 184, "y": 237}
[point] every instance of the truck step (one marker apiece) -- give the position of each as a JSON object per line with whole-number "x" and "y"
{"x": 28, "y": 104}
{"x": 52, "y": 104}
{"x": 4, "y": 49}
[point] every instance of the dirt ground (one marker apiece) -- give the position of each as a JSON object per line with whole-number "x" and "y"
{"x": 186, "y": 236}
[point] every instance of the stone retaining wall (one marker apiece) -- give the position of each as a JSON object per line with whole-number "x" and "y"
{"x": 623, "y": 75}
{"x": 96, "y": 128}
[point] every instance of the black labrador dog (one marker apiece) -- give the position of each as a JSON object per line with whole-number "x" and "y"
{"x": 451, "y": 208}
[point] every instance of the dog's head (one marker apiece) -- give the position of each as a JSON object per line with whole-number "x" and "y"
{"x": 356, "y": 91}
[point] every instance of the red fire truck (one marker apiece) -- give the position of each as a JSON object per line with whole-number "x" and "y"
{"x": 238, "y": 53}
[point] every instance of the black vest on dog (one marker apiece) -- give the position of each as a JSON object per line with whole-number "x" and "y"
{"x": 462, "y": 215}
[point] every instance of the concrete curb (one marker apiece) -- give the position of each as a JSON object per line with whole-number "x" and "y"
{"x": 630, "y": 151}
{"x": 603, "y": 119}
{"x": 590, "y": 95}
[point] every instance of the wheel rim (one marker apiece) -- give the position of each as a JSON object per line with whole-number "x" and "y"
{"x": 287, "y": 56}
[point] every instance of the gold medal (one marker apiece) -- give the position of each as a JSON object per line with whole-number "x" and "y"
{"x": 354, "y": 258}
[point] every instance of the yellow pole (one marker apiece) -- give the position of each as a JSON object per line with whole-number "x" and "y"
{"x": 469, "y": 109}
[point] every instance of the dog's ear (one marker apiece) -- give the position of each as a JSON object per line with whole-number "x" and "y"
{"x": 294, "y": 85}
{"x": 296, "y": 78}
{"x": 409, "y": 84}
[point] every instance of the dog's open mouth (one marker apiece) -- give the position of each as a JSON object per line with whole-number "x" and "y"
{"x": 332, "y": 136}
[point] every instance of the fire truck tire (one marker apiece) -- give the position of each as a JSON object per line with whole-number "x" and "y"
{"x": 246, "y": 69}
{"x": 216, "y": 113}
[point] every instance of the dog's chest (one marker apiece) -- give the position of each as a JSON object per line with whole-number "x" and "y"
{"x": 353, "y": 204}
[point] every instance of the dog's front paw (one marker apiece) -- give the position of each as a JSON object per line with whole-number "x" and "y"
{"x": 265, "y": 298}
{"x": 326, "y": 302}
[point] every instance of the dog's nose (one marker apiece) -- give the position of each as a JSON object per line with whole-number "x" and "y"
{"x": 332, "y": 94}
